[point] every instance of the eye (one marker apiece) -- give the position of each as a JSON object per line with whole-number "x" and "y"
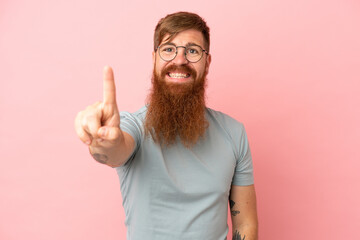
{"x": 168, "y": 49}
{"x": 193, "y": 51}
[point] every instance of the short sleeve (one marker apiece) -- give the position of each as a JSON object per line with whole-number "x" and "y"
{"x": 243, "y": 175}
{"x": 132, "y": 124}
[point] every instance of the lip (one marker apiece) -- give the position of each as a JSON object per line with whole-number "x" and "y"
{"x": 177, "y": 78}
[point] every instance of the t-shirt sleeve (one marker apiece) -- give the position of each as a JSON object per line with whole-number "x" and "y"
{"x": 243, "y": 175}
{"x": 132, "y": 124}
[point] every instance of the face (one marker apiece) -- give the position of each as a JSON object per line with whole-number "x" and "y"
{"x": 177, "y": 101}
{"x": 174, "y": 71}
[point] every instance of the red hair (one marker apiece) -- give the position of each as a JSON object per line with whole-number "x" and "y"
{"x": 177, "y": 22}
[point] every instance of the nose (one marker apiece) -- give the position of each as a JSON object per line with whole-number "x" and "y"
{"x": 180, "y": 58}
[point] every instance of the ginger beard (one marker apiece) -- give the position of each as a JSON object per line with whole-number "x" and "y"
{"x": 176, "y": 109}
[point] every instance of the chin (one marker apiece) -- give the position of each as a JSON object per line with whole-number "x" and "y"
{"x": 182, "y": 88}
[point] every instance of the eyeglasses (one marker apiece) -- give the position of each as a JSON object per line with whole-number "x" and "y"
{"x": 193, "y": 52}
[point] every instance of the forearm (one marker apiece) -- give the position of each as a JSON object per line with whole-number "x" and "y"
{"x": 244, "y": 219}
{"x": 247, "y": 232}
{"x": 116, "y": 155}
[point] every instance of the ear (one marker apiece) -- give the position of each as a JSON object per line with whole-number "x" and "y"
{"x": 208, "y": 61}
{"x": 153, "y": 57}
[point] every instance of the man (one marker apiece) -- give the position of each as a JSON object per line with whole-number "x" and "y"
{"x": 179, "y": 162}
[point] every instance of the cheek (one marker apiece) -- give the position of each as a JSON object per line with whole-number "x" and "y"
{"x": 201, "y": 71}
{"x": 202, "y": 67}
{"x": 159, "y": 66}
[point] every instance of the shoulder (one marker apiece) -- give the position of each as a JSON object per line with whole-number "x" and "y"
{"x": 139, "y": 114}
{"x": 132, "y": 123}
{"x": 233, "y": 129}
{"x": 226, "y": 121}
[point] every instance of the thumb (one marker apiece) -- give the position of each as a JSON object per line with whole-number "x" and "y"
{"x": 109, "y": 133}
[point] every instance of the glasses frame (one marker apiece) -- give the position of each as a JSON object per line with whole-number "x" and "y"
{"x": 176, "y": 47}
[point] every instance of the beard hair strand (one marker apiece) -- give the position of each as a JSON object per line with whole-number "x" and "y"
{"x": 176, "y": 110}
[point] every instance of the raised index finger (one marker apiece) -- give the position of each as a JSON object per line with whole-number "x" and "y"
{"x": 109, "y": 86}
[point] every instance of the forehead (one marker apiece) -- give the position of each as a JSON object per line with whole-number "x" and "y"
{"x": 185, "y": 37}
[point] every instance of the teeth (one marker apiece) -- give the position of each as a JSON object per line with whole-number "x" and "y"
{"x": 178, "y": 75}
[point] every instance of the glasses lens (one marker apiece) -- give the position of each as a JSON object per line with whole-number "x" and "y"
{"x": 167, "y": 52}
{"x": 194, "y": 53}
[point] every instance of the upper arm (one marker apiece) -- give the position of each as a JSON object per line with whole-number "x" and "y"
{"x": 242, "y": 201}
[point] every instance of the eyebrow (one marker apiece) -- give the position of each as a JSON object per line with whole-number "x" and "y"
{"x": 192, "y": 44}
{"x": 187, "y": 45}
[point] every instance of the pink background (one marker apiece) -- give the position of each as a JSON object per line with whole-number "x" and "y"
{"x": 289, "y": 70}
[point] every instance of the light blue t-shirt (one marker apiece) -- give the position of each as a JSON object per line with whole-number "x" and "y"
{"x": 176, "y": 193}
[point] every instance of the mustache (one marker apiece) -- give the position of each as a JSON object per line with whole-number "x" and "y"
{"x": 182, "y": 68}
{"x": 176, "y": 110}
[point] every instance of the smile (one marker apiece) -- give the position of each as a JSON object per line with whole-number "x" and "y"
{"x": 179, "y": 75}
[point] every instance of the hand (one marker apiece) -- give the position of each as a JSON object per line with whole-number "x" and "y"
{"x": 99, "y": 124}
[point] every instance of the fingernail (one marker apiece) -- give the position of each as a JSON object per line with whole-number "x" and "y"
{"x": 88, "y": 142}
{"x": 103, "y": 132}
